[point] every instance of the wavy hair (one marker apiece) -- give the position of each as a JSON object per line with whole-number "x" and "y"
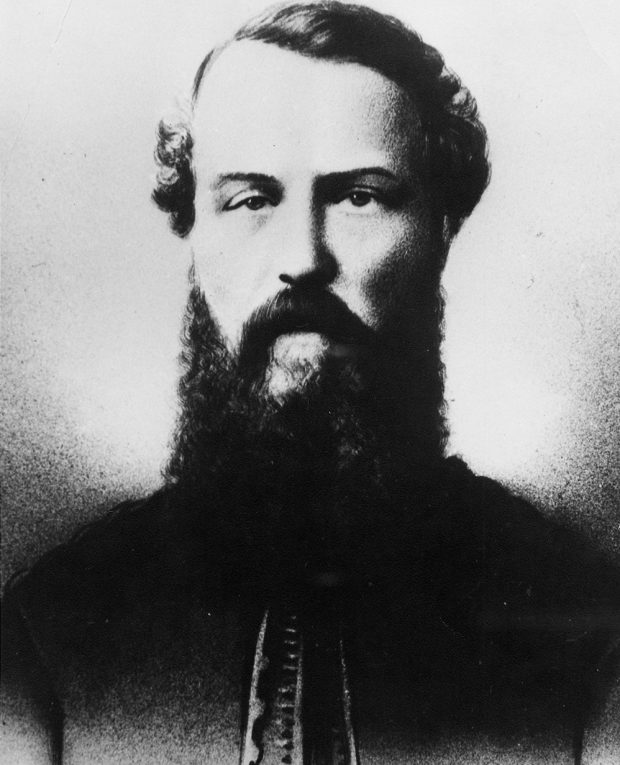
{"x": 452, "y": 161}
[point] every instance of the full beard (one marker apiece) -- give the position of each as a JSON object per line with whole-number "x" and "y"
{"x": 320, "y": 479}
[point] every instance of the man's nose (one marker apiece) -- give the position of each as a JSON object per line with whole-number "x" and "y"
{"x": 306, "y": 259}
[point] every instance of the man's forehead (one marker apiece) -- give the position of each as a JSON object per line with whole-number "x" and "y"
{"x": 259, "y": 103}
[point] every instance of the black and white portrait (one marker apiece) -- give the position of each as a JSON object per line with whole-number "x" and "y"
{"x": 310, "y": 389}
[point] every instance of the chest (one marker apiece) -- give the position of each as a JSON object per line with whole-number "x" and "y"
{"x": 178, "y": 691}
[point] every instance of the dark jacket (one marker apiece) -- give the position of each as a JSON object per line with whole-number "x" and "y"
{"x": 488, "y": 636}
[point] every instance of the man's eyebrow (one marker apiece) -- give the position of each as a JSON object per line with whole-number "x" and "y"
{"x": 346, "y": 176}
{"x": 335, "y": 182}
{"x": 256, "y": 178}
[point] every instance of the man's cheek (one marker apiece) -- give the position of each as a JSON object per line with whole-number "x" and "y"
{"x": 386, "y": 289}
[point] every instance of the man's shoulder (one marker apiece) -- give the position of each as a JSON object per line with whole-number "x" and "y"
{"x": 488, "y": 553}
{"x": 108, "y": 574}
{"x": 518, "y": 551}
{"x": 473, "y": 524}
{"x": 120, "y": 543}
{"x": 497, "y": 572}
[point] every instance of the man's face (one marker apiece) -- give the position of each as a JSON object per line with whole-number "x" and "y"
{"x": 306, "y": 179}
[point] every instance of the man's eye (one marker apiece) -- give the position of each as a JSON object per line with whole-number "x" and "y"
{"x": 360, "y": 198}
{"x": 253, "y": 202}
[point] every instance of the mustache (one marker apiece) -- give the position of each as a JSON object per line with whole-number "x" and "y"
{"x": 291, "y": 311}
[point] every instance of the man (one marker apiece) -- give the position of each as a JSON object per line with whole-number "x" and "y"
{"x": 316, "y": 582}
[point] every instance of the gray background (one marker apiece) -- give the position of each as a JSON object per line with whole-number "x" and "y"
{"x": 94, "y": 284}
